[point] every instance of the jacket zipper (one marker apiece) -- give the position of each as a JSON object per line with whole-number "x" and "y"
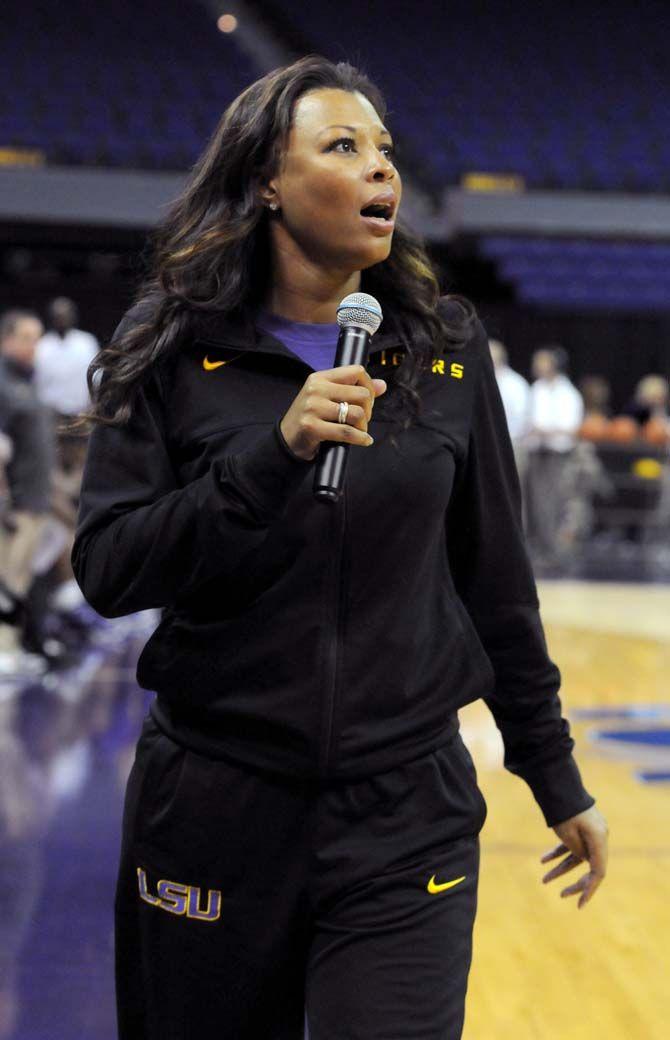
{"x": 331, "y": 701}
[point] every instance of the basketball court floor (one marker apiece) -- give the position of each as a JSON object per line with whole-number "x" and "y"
{"x": 542, "y": 969}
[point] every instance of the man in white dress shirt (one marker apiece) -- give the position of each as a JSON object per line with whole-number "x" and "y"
{"x": 556, "y": 413}
{"x": 63, "y": 356}
{"x": 515, "y": 393}
{"x": 62, "y": 359}
{"x": 514, "y": 390}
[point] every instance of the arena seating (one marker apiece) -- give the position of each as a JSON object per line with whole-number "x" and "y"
{"x": 583, "y": 274}
{"x": 117, "y": 85}
{"x": 566, "y": 95}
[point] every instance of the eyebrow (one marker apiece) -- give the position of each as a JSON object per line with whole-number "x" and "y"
{"x": 353, "y": 129}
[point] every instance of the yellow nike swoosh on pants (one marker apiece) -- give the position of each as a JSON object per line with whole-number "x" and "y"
{"x": 433, "y": 888}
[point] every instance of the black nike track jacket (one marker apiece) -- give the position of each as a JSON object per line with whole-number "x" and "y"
{"x": 323, "y": 640}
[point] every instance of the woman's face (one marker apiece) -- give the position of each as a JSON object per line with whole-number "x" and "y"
{"x": 338, "y": 158}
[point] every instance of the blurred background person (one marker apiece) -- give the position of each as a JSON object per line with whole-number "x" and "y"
{"x": 596, "y": 394}
{"x": 515, "y": 393}
{"x": 62, "y": 359}
{"x": 514, "y": 390}
{"x": 27, "y": 423}
{"x": 649, "y": 409}
{"x": 5, "y": 455}
{"x": 61, "y": 362}
{"x": 556, "y": 413}
{"x": 590, "y": 480}
{"x": 649, "y": 405}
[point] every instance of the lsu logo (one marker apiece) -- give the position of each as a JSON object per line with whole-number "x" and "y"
{"x": 183, "y": 900}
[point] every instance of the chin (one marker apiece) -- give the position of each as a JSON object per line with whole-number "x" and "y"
{"x": 376, "y": 251}
{"x": 379, "y": 258}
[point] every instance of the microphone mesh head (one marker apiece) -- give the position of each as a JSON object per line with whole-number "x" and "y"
{"x": 360, "y": 309}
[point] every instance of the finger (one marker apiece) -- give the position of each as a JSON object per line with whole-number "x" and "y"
{"x": 356, "y": 375}
{"x": 359, "y": 376}
{"x": 343, "y": 373}
{"x": 356, "y": 415}
{"x": 588, "y": 892}
{"x": 334, "y": 391}
{"x": 569, "y": 863}
{"x": 558, "y": 850}
{"x": 586, "y": 886}
{"x": 343, "y": 433}
{"x": 325, "y": 398}
{"x": 365, "y": 379}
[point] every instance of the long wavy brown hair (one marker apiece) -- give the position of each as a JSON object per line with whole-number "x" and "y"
{"x": 212, "y": 252}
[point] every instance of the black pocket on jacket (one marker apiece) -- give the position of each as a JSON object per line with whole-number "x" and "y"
{"x": 460, "y": 779}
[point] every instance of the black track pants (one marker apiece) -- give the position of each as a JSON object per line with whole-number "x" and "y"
{"x": 246, "y": 900}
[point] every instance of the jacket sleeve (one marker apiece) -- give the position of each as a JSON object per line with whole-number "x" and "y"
{"x": 142, "y": 540}
{"x": 494, "y": 579}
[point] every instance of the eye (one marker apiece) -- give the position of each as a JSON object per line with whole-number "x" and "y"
{"x": 341, "y": 140}
{"x": 390, "y": 150}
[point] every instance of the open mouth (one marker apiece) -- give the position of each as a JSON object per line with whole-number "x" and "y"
{"x": 379, "y": 213}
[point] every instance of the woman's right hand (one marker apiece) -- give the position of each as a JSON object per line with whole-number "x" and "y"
{"x": 312, "y": 417}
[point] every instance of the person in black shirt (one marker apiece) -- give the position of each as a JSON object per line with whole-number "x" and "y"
{"x": 301, "y": 825}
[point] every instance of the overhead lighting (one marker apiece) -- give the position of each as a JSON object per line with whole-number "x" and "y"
{"x": 227, "y": 23}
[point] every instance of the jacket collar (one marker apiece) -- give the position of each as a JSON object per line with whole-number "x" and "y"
{"x": 218, "y": 329}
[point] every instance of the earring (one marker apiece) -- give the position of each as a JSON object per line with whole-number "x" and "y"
{"x": 274, "y": 205}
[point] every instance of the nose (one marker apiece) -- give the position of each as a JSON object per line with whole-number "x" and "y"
{"x": 381, "y": 168}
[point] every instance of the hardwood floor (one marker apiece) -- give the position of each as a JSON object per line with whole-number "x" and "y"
{"x": 541, "y": 967}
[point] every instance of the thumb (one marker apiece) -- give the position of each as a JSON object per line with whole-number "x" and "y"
{"x": 380, "y": 385}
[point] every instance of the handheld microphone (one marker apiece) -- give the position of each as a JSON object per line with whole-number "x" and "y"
{"x": 359, "y": 316}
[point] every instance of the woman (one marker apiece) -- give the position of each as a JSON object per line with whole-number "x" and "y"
{"x": 301, "y": 821}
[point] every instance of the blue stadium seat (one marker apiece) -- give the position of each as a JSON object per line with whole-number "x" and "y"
{"x": 588, "y": 273}
{"x": 534, "y": 93}
{"x": 85, "y": 87}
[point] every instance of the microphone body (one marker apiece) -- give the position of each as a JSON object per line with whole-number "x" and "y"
{"x": 352, "y": 349}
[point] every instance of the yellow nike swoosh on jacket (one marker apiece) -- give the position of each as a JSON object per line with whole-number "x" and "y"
{"x": 209, "y": 365}
{"x": 433, "y": 888}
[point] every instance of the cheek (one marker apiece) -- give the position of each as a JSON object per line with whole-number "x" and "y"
{"x": 322, "y": 199}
